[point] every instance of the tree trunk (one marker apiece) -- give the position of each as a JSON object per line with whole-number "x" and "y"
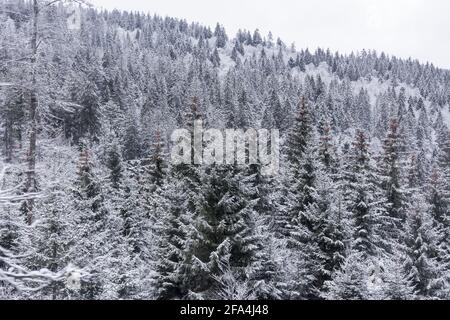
{"x": 34, "y": 102}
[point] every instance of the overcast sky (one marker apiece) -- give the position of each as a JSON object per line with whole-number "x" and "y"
{"x": 416, "y": 28}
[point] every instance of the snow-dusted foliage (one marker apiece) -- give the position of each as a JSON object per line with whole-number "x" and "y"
{"x": 91, "y": 206}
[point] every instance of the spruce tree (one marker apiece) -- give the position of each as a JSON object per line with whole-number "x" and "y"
{"x": 52, "y": 241}
{"x": 350, "y": 283}
{"x": 227, "y": 232}
{"x": 425, "y": 273}
{"x": 391, "y": 170}
{"x": 90, "y": 249}
{"x": 364, "y": 200}
{"x": 132, "y": 146}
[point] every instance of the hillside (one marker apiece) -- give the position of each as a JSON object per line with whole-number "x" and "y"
{"x": 87, "y": 180}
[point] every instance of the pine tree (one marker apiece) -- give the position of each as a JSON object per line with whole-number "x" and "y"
{"x": 155, "y": 166}
{"x": 326, "y": 149}
{"x": 151, "y": 177}
{"x": 132, "y": 146}
{"x": 257, "y": 39}
{"x": 90, "y": 244}
{"x": 114, "y": 164}
{"x": 305, "y": 226}
{"x": 330, "y": 225}
{"x": 364, "y": 110}
{"x": 299, "y": 136}
{"x": 178, "y": 207}
{"x": 350, "y": 283}
{"x": 439, "y": 200}
{"x": 221, "y": 36}
{"x": 137, "y": 238}
{"x": 364, "y": 200}
{"x": 423, "y": 126}
{"x": 13, "y": 244}
{"x": 52, "y": 241}
{"x": 88, "y": 122}
{"x": 312, "y": 232}
{"x": 424, "y": 271}
{"x": 332, "y": 232}
{"x": 391, "y": 164}
{"x": 13, "y": 124}
{"x": 395, "y": 284}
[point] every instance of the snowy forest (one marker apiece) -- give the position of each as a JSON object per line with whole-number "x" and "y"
{"x": 91, "y": 207}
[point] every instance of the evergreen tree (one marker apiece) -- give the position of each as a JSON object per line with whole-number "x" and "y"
{"x": 391, "y": 164}
{"x": 221, "y": 36}
{"x": 132, "y": 146}
{"x": 13, "y": 116}
{"x": 326, "y": 150}
{"x": 257, "y": 39}
{"x": 424, "y": 272}
{"x": 90, "y": 247}
{"x": 172, "y": 235}
{"x": 299, "y": 136}
{"x": 52, "y": 242}
{"x": 88, "y": 122}
{"x": 305, "y": 226}
{"x": 178, "y": 207}
{"x": 331, "y": 225}
{"x": 114, "y": 164}
{"x": 365, "y": 200}
{"x": 350, "y": 283}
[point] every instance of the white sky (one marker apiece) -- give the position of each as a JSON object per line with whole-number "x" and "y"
{"x": 416, "y": 28}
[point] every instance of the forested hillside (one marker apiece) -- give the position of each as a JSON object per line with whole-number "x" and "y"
{"x": 360, "y": 209}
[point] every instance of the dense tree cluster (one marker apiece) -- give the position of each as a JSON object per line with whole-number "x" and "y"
{"x": 360, "y": 209}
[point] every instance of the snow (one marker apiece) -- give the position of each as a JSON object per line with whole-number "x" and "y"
{"x": 226, "y": 63}
{"x": 76, "y": 181}
{"x": 446, "y": 115}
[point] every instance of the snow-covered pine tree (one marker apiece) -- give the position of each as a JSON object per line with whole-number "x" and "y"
{"x": 369, "y": 231}
{"x": 52, "y": 242}
{"x": 305, "y": 209}
{"x": 364, "y": 200}
{"x": 424, "y": 271}
{"x": 299, "y": 136}
{"x": 221, "y": 36}
{"x": 13, "y": 118}
{"x": 134, "y": 73}
{"x": 91, "y": 246}
{"x": 391, "y": 166}
{"x": 326, "y": 149}
{"x": 177, "y": 210}
{"x": 332, "y": 233}
{"x": 350, "y": 283}
{"x": 439, "y": 200}
{"x": 311, "y": 231}
{"x": 228, "y": 234}
{"x": 132, "y": 145}
{"x": 128, "y": 228}
{"x": 13, "y": 243}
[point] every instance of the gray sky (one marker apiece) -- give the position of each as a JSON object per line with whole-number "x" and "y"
{"x": 416, "y": 28}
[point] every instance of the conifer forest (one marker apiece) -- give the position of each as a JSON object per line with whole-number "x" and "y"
{"x": 93, "y": 208}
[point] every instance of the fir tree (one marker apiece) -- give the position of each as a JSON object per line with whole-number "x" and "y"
{"x": 350, "y": 283}
{"x": 424, "y": 272}
{"x": 364, "y": 200}
{"x": 299, "y": 136}
{"x": 53, "y": 241}
{"x": 178, "y": 207}
{"x": 391, "y": 164}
